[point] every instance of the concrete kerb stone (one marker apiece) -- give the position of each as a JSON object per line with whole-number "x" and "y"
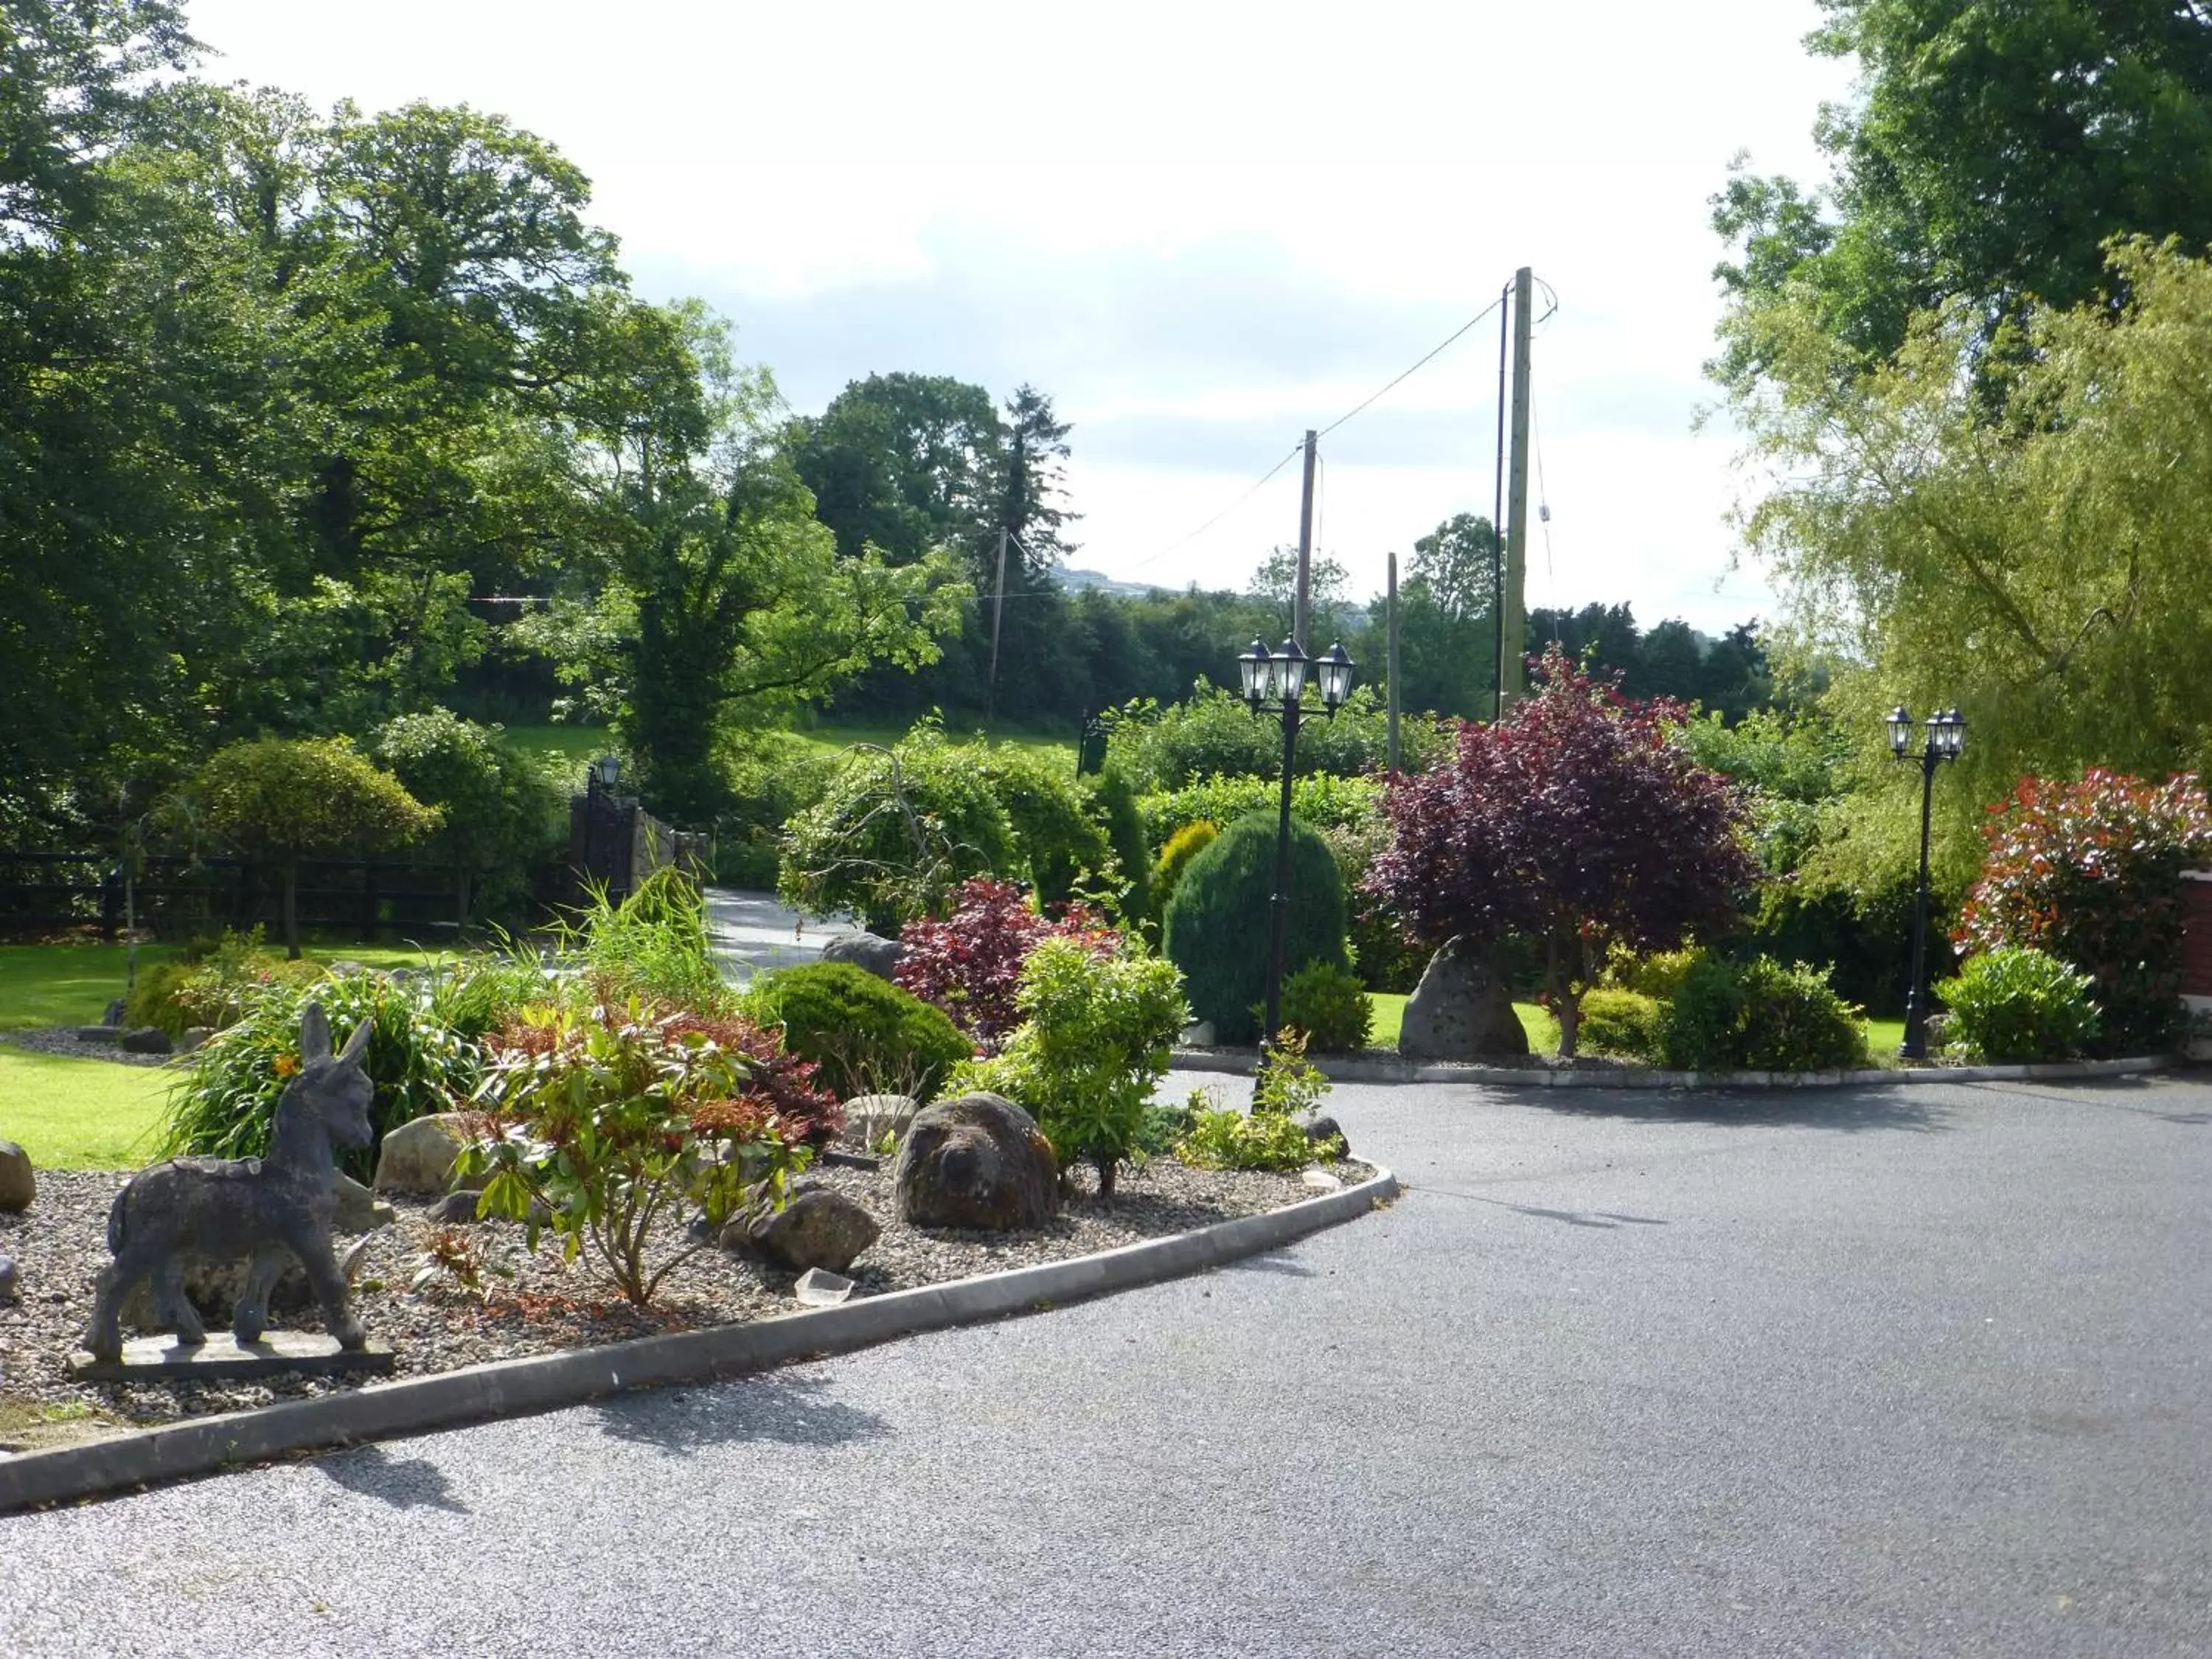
{"x": 1387, "y": 1068}
{"x": 517, "y": 1388}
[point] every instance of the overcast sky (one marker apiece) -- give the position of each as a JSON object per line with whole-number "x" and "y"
{"x": 1199, "y": 228}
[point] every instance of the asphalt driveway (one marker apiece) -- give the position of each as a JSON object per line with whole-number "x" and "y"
{"x": 1910, "y": 1371}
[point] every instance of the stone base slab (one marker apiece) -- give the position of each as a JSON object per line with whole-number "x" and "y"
{"x": 223, "y": 1358}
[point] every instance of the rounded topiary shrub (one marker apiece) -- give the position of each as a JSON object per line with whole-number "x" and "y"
{"x": 1761, "y": 1016}
{"x": 2012, "y": 1006}
{"x": 1626, "y": 1023}
{"x": 1186, "y": 844}
{"x": 867, "y": 1036}
{"x": 1216, "y": 923}
{"x": 1330, "y": 1007}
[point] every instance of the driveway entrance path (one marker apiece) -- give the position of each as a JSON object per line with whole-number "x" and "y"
{"x": 751, "y": 931}
{"x": 1893, "y": 1371}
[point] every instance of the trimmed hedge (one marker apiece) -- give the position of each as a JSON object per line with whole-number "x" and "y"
{"x": 1759, "y": 1016}
{"x": 1217, "y": 924}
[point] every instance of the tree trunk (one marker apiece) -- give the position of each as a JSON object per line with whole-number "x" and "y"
{"x": 291, "y": 908}
{"x": 1106, "y": 1168}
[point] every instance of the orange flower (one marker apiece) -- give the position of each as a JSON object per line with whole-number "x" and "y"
{"x": 286, "y": 1064}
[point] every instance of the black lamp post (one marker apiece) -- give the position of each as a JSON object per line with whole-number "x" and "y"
{"x": 1945, "y": 737}
{"x": 1276, "y": 683}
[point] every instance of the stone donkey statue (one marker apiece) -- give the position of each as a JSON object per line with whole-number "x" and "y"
{"x": 266, "y": 1208}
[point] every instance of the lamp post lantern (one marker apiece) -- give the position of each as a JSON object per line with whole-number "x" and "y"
{"x": 1945, "y": 737}
{"x": 1276, "y": 682}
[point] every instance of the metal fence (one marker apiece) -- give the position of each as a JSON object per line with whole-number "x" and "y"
{"x": 178, "y": 897}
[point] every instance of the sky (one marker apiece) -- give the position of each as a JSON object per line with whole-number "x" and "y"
{"x": 1199, "y": 228}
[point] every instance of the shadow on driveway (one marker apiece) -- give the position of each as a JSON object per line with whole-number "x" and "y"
{"x": 411, "y": 1483}
{"x": 785, "y": 1410}
{"x": 1848, "y": 1111}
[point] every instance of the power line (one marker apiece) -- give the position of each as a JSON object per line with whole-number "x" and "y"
{"x": 1265, "y": 479}
{"x": 1425, "y": 360}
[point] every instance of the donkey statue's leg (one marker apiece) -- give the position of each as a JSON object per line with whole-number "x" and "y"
{"x": 140, "y": 1256}
{"x": 328, "y": 1280}
{"x": 250, "y": 1318}
{"x": 173, "y": 1307}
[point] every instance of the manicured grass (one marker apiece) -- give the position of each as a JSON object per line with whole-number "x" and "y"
{"x": 836, "y": 734}
{"x": 1390, "y": 1013}
{"x": 73, "y": 984}
{"x": 80, "y": 1114}
{"x": 1883, "y": 1037}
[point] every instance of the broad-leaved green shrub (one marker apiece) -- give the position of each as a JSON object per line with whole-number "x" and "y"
{"x": 1329, "y": 1005}
{"x": 1093, "y": 1043}
{"x": 1217, "y": 924}
{"x": 1326, "y": 802}
{"x": 2013, "y": 1005}
{"x": 502, "y": 812}
{"x": 1621, "y": 1023}
{"x": 867, "y": 1035}
{"x": 1760, "y": 1015}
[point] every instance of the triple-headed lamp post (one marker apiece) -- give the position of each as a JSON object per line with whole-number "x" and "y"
{"x": 1276, "y": 682}
{"x": 1945, "y": 737}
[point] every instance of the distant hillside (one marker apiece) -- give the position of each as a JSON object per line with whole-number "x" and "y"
{"x": 1077, "y": 582}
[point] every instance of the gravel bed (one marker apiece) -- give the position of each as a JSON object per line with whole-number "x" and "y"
{"x": 534, "y": 1303}
{"x": 64, "y": 1040}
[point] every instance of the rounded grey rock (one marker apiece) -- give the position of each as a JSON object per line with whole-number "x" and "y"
{"x": 18, "y": 1184}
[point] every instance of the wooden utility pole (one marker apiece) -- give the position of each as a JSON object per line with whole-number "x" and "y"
{"x": 998, "y": 616}
{"x": 1514, "y": 620}
{"x": 1301, "y": 607}
{"x": 1390, "y": 654}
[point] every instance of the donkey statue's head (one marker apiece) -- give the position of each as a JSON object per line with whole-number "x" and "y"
{"x": 333, "y": 1089}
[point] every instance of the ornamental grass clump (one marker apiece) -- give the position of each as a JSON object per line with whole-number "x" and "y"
{"x": 616, "y": 1124}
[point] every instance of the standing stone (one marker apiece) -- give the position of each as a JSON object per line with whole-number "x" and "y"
{"x": 418, "y": 1157}
{"x": 880, "y": 957}
{"x": 817, "y": 1229}
{"x": 18, "y": 1186}
{"x": 1461, "y": 1010}
{"x": 979, "y": 1162}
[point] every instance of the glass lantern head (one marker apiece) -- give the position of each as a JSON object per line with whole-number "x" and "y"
{"x": 1900, "y": 731}
{"x": 1335, "y": 677}
{"x": 1289, "y": 666}
{"x": 1252, "y": 671}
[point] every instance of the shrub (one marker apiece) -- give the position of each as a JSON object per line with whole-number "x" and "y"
{"x": 1130, "y": 894}
{"x": 289, "y": 800}
{"x": 895, "y": 833}
{"x": 1226, "y": 1138}
{"x": 1657, "y": 974}
{"x": 1186, "y": 844}
{"x": 1380, "y": 954}
{"x": 1329, "y": 1006}
{"x": 619, "y": 1122}
{"x": 424, "y": 1057}
{"x": 1323, "y": 802}
{"x": 867, "y": 1035}
{"x": 1288, "y": 1084}
{"x": 970, "y": 963}
{"x": 1059, "y": 835}
{"x": 212, "y": 990}
{"x": 1093, "y": 1044}
{"x": 2090, "y": 872}
{"x": 769, "y": 779}
{"x": 1213, "y": 733}
{"x": 1760, "y": 1015}
{"x": 500, "y": 812}
{"x": 2012, "y": 1006}
{"x": 1217, "y": 924}
{"x": 1621, "y": 1023}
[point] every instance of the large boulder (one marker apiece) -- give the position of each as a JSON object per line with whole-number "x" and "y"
{"x": 979, "y": 1162}
{"x": 1461, "y": 1010}
{"x": 880, "y": 957}
{"x": 418, "y": 1157}
{"x": 817, "y": 1228}
{"x": 147, "y": 1040}
{"x": 18, "y": 1186}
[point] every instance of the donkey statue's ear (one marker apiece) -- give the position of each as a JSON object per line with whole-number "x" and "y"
{"x": 314, "y": 1034}
{"x": 357, "y": 1046}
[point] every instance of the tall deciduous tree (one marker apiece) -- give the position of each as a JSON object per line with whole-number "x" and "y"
{"x": 1574, "y": 821}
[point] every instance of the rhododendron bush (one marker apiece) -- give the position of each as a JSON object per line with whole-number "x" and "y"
{"x": 1574, "y": 821}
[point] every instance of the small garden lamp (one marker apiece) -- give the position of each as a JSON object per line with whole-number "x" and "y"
{"x": 1251, "y": 669}
{"x": 605, "y": 771}
{"x": 1945, "y": 739}
{"x": 1335, "y": 678}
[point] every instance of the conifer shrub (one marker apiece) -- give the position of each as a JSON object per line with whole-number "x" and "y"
{"x": 865, "y": 1034}
{"x": 1216, "y": 930}
{"x": 1186, "y": 844}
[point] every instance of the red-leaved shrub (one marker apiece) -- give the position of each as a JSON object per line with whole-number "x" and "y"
{"x": 970, "y": 963}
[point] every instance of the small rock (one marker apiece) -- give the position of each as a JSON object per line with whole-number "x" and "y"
{"x": 349, "y": 1263}
{"x": 147, "y": 1040}
{"x": 99, "y": 1034}
{"x": 1322, "y": 1127}
{"x": 817, "y": 1228}
{"x": 817, "y": 1289}
{"x": 1321, "y": 1181}
{"x": 455, "y": 1209}
{"x": 880, "y": 957}
{"x": 360, "y": 1210}
{"x": 418, "y": 1156}
{"x": 18, "y": 1185}
{"x": 194, "y": 1039}
{"x": 978, "y": 1162}
{"x": 346, "y": 968}
{"x": 114, "y": 1014}
{"x": 869, "y": 1118}
{"x": 11, "y": 1280}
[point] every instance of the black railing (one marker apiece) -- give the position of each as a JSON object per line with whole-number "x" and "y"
{"x": 177, "y": 898}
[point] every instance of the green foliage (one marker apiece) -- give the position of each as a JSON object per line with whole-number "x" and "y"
{"x": 1623, "y": 1023}
{"x": 1323, "y": 801}
{"x": 1328, "y": 1006}
{"x": 500, "y": 813}
{"x": 653, "y": 945}
{"x": 276, "y": 796}
{"x": 2013, "y": 1005}
{"x": 1226, "y": 1139}
{"x": 867, "y": 1036}
{"x": 620, "y": 1124}
{"x": 1059, "y": 835}
{"x": 183, "y": 991}
{"x": 1213, "y": 734}
{"x": 1385, "y": 958}
{"x": 769, "y": 778}
{"x": 1216, "y": 929}
{"x": 1288, "y": 1084}
{"x": 2091, "y": 872}
{"x": 1131, "y": 898}
{"x": 1760, "y": 1015}
{"x": 1093, "y": 1044}
{"x": 897, "y": 833}
{"x": 1186, "y": 844}
{"x": 424, "y": 1057}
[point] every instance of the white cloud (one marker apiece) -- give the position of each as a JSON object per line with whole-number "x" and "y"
{"x": 1201, "y": 227}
